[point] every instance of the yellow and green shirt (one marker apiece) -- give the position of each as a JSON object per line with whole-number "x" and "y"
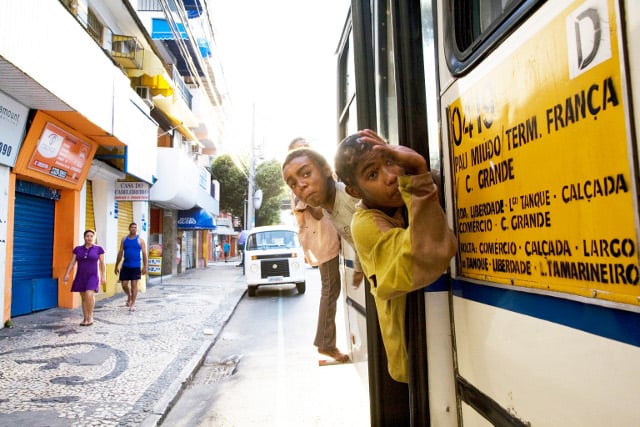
{"x": 399, "y": 257}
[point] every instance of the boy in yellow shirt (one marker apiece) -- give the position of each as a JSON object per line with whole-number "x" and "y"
{"x": 399, "y": 229}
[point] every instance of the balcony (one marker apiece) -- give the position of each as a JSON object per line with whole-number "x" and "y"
{"x": 181, "y": 183}
{"x": 182, "y": 88}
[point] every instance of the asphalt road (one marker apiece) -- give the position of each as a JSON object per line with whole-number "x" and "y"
{"x": 263, "y": 370}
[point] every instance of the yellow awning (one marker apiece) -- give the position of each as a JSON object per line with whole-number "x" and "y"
{"x": 174, "y": 106}
{"x": 153, "y": 75}
{"x": 185, "y": 131}
{"x": 160, "y": 84}
{"x": 189, "y": 135}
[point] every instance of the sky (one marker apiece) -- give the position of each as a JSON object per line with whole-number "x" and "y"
{"x": 279, "y": 56}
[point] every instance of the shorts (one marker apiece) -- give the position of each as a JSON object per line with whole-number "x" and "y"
{"x": 129, "y": 273}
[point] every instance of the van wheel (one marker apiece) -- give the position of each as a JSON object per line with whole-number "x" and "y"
{"x": 251, "y": 290}
{"x": 301, "y": 286}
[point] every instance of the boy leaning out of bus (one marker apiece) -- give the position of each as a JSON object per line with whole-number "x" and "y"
{"x": 399, "y": 229}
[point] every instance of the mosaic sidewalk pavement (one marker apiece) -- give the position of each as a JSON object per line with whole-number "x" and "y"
{"x": 125, "y": 369}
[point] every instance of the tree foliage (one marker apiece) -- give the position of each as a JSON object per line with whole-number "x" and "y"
{"x": 233, "y": 185}
{"x": 269, "y": 180}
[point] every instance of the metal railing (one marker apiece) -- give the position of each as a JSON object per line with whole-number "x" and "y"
{"x": 182, "y": 87}
{"x": 149, "y": 6}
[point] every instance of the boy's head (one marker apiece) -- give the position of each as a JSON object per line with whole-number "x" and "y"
{"x": 368, "y": 173}
{"x": 351, "y": 151}
{"x": 298, "y": 143}
{"x": 309, "y": 176}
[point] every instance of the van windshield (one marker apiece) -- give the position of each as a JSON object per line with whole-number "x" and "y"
{"x": 272, "y": 240}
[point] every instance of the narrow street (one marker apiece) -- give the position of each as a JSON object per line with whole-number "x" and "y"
{"x": 124, "y": 370}
{"x": 195, "y": 347}
{"x": 263, "y": 369}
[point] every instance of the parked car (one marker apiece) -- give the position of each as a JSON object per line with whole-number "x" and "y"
{"x": 273, "y": 255}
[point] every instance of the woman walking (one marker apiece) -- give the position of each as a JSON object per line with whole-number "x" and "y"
{"x": 88, "y": 276}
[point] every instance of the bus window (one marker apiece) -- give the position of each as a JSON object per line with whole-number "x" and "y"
{"x": 431, "y": 95}
{"x": 347, "y": 104}
{"x": 475, "y": 18}
{"x": 478, "y": 25}
{"x": 386, "y": 97}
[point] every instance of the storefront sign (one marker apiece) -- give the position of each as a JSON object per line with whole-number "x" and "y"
{"x": 196, "y": 219}
{"x": 13, "y": 118}
{"x": 60, "y": 154}
{"x": 132, "y": 191}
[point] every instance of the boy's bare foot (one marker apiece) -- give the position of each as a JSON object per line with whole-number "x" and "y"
{"x": 335, "y": 354}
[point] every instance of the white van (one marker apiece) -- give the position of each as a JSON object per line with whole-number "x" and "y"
{"x": 273, "y": 255}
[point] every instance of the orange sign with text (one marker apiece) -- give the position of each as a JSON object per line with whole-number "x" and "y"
{"x": 55, "y": 155}
{"x": 60, "y": 154}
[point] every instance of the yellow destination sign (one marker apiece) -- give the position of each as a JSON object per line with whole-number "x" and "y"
{"x": 542, "y": 163}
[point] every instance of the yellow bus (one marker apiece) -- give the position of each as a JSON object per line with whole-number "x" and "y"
{"x": 529, "y": 110}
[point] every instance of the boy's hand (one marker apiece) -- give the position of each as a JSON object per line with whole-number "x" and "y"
{"x": 370, "y": 137}
{"x": 411, "y": 161}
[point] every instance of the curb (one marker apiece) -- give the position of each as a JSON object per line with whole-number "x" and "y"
{"x": 169, "y": 398}
{"x": 174, "y": 391}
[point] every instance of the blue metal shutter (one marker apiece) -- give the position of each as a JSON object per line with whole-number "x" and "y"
{"x": 33, "y": 287}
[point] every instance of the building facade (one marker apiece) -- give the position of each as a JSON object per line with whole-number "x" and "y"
{"x": 110, "y": 113}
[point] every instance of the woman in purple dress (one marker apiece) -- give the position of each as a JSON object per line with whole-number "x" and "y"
{"x": 88, "y": 277}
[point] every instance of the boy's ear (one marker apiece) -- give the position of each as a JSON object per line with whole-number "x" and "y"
{"x": 353, "y": 192}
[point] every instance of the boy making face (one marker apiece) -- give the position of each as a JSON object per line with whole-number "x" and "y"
{"x": 399, "y": 230}
{"x": 372, "y": 174}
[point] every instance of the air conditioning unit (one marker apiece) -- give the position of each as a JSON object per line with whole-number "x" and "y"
{"x": 121, "y": 47}
{"x": 144, "y": 92}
